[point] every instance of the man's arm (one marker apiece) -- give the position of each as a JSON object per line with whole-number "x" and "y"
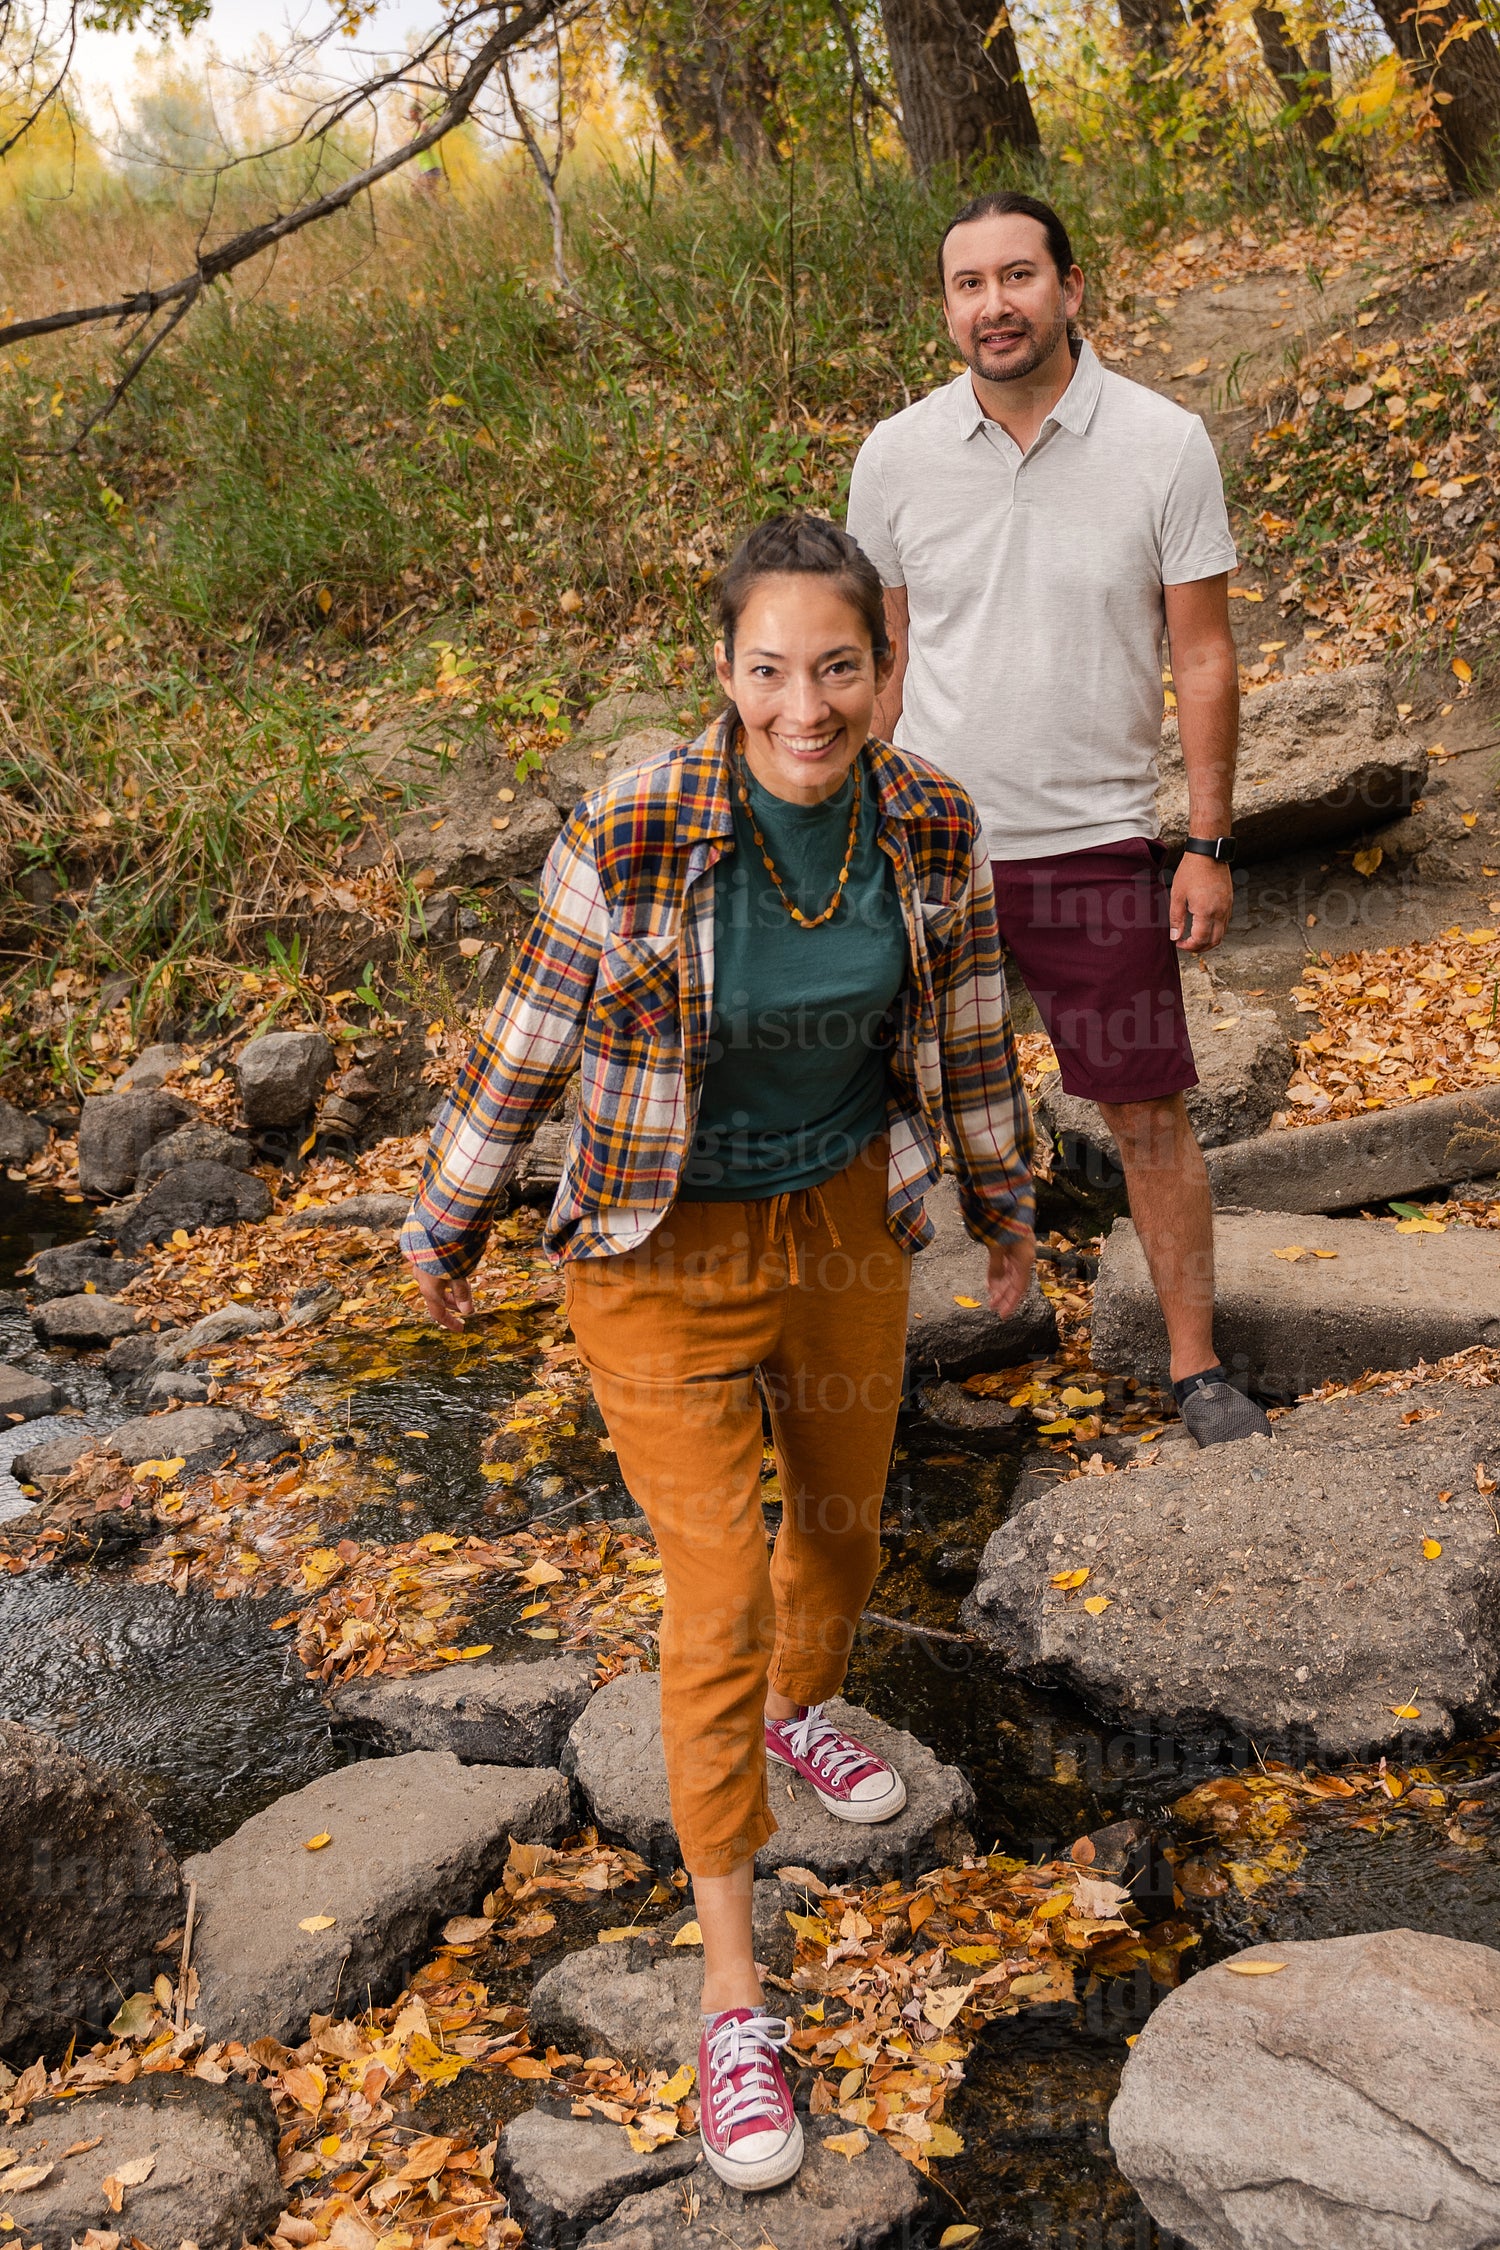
{"x": 1205, "y": 675}
{"x": 888, "y": 702}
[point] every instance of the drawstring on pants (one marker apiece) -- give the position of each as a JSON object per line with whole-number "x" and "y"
{"x": 813, "y": 1212}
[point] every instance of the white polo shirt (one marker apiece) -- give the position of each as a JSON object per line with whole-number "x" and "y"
{"x": 1035, "y": 588}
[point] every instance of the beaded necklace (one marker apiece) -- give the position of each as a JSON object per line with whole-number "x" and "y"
{"x": 803, "y": 921}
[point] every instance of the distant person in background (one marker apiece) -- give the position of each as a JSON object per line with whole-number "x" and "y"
{"x": 1038, "y": 524}
{"x": 428, "y": 167}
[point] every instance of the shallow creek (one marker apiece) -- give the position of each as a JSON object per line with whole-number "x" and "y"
{"x": 203, "y": 1707}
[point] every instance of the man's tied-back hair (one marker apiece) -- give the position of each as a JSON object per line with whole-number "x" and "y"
{"x": 1009, "y": 203}
{"x": 810, "y": 546}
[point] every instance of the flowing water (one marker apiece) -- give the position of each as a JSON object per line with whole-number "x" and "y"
{"x": 205, "y": 1710}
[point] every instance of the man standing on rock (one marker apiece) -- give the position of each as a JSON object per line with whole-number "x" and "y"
{"x": 1038, "y": 524}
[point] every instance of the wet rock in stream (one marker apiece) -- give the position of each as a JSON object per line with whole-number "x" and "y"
{"x": 89, "y": 1886}
{"x": 73, "y": 1269}
{"x": 213, "y": 2176}
{"x": 1284, "y": 1585}
{"x": 564, "y": 2174}
{"x": 836, "y": 2202}
{"x": 1358, "y": 1296}
{"x": 514, "y": 1714}
{"x": 24, "y": 1397}
{"x": 411, "y": 1839}
{"x": 84, "y": 1322}
{"x": 1346, "y": 2100}
{"x": 194, "y": 1196}
{"x": 616, "y": 1755}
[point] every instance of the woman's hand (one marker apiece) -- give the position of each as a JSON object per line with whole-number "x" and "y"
{"x": 1010, "y": 1272}
{"x": 450, "y": 1303}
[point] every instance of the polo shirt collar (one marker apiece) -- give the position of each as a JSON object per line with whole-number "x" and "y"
{"x": 1073, "y": 411}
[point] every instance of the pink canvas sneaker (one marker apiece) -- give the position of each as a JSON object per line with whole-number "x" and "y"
{"x": 750, "y": 2134}
{"x": 849, "y": 1779}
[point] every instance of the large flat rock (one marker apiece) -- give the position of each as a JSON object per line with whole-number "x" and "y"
{"x": 615, "y": 1748}
{"x": 187, "y": 1431}
{"x": 213, "y": 2179}
{"x": 639, "y": 1999}
{"x": 1381, "y": 1299}
{"x": 563, "y": 2174}
{"x": 85, "y": 1322}
{"x": 1321, "y": 755}
{"x": 1346, "y": 2102}
{"x": 1356, "y": 1162}
{"x": 1244, "y": 1060}
{"x": 413, "y": 1839}
{"x": 1278, "y": 1586}
{"x": 952, "y": 1330}
{"x": 486, "y": 1714}
{"x": 836, "y": 2202}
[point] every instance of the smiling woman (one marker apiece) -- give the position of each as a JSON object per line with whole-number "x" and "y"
{"x": 774, "y": 953}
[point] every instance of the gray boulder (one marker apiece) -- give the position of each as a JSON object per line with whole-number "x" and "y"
{"x": 197, "y": 1143}
{"x": 1322, "y": 755}
{"x": 1375, "y": 1298}
{"x": 84, "y": 1323}
{"x": 90, "y": 1885}
{"x": 413, "y": 1839}
{"x": 471, "y": 836}
{"x": 385, "y": 1213}
{"x": 175, "y": 1387}
{"x": 131, "y": 1358}
{"x": 194, "y": 1196}
{"x": 24, "y": 1396}
{"x": 1279, "y": 1587}
{"x": 162, "y": 1437}
{"x": 79, "y": 1268}
{"x": 1244, "y": 1060}
{"x": 638, "y": 1999}
{"x": 562, "y": 2174}
{"x": 1347, "y": 2101}
{"x": 55, "y": 1456}
{"x": 1361, "y": 1161}
{"x": 615, "y": 1748}
{"x": 281, "y": 1076}
{"x": 21, "y": 1137}
{"x": 947, "y": 1337}
{"x": 152, "y": 1067}
{"x": 486, "y": 1714}
{"x": 214, "y": 2178}
{"x": 867, "y": 2202}
{"x": 115, "y": 1132}
{"x": 228, "y": 1325}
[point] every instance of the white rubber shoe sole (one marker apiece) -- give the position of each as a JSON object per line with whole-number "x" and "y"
{"x": 754, "y": 2173}
{"x": 869, "y": 1812}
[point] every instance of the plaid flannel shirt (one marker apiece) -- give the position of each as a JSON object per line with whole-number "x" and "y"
{"x": 617, "y": 974}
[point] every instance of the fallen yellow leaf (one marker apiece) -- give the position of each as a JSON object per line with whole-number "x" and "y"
{"x": 30, "y": 2176}
{"x": 849, "y": 2145}
{"x": 1291, "y": 1253}
{"x": 315, "y": 1922}
{"x": 1069, "y": 1579}
{"x": 477, "y": 1648}
{"x": 689, "y": 1934}
{"x": 1097, "y": 1604}
{"x": 1254, "y": 1968}
{"x": 1462, "y": 669}
{"x": 1366, "y": 862}
{"x": 528, "y": 2066}
{"x": 1404, "y": 1711}
{"x": 943, "y": 2141}
{"x": 316, "y": 1843}
{"x": 1420, "y": 1226}
{"x": 950, "y": 2237}
{"x": 614, "y": 1937}
{"x": 163, "y": 1471}
{"x": 1420, "y": 1085}
{"x": 970, "y": 1304}
{"x": 1432, "y": 1548}
{"x": 678, "y": 2086}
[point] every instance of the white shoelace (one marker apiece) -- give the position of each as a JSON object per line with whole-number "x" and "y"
{"x": 747, "y": 2043}
{"x": 826, "y": 1750}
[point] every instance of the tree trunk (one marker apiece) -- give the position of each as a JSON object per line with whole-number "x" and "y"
{"x": 1464, "y": 78}
{"x": 1151, "y": 28}
{"x": 1305, "y": 86}
{"x": 963, "y": 98}
{"x": 712, "y": 81}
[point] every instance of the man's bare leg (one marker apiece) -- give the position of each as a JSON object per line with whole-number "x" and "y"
{"x": 1167, "y": 1183}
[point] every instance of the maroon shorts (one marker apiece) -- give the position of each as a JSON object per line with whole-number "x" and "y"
{"x": 1088, "y": 933}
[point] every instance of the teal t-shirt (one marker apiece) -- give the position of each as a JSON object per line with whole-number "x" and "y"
{"x": 796, "y": 1080}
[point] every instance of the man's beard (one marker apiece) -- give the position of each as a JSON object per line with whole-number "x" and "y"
{"x": 1038, "y": 349}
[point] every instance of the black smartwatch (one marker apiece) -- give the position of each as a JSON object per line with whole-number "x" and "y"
{"x": 1221, "y": 848}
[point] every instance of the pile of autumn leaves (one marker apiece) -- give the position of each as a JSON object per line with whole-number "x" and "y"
{"x": 1397, "y": 1024}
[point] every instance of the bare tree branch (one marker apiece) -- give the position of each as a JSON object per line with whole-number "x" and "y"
{"x": 546, "y": 173}
{"x": 213, "y": 264}
{"x": 872, "y": 94}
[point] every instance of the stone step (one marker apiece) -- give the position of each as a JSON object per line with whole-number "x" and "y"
{"x": 1381, "y": 1300}
{"x": 1355, "y": 1163}
{"x": 213, "y": 2180}
{"x": 486, "y": 1714}
{"x": 414, "y": 1839}
{"x": 948, "y": 1336}
{"x": 1278, "y": 1587}
{"x": 836, "y": 2202}
{"x": 1349, "y": 2099}
{"x": 616, "y": 1755}
{"x": 638, "y": 1999}
{"x": 563, "y": 2174}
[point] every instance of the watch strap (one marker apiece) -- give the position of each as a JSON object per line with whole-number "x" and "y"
{"x": 1220, "y": 848}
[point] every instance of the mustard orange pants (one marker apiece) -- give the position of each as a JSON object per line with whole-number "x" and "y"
{"x": 800, "y": 1299}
